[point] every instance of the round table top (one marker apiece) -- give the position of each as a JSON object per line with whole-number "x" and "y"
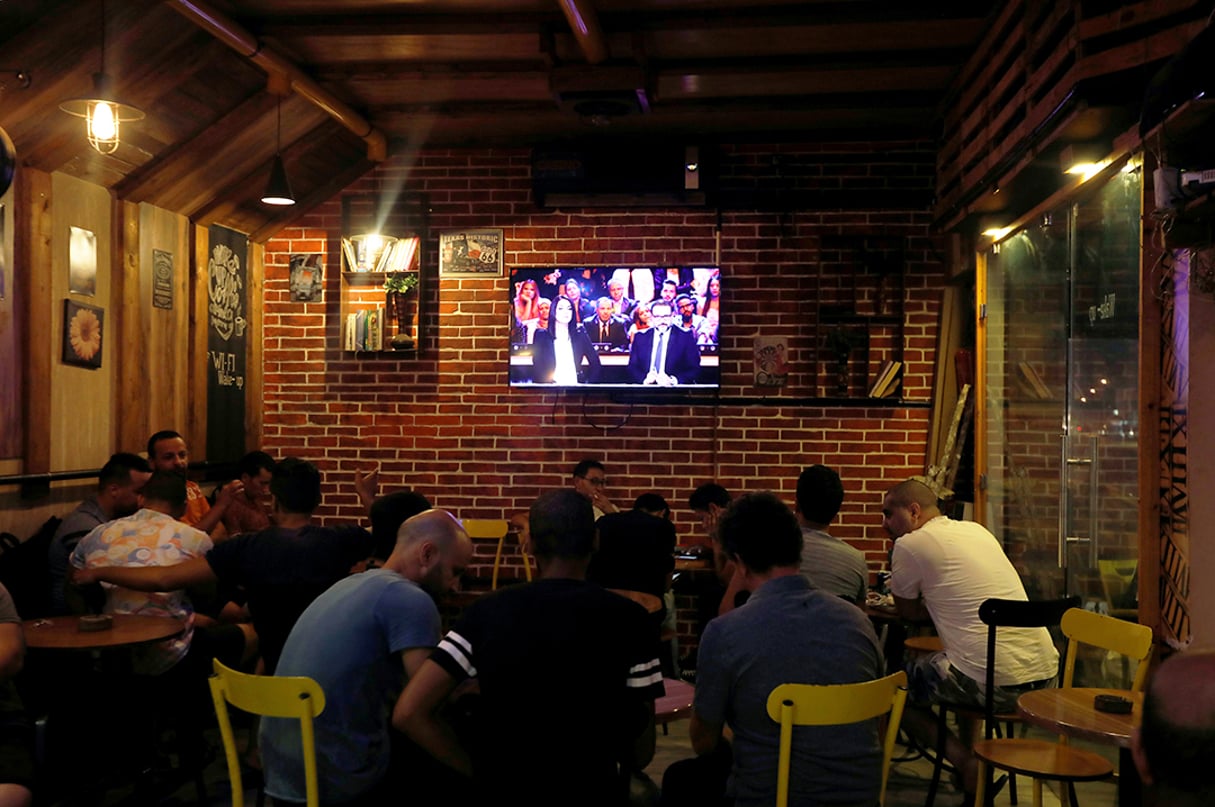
{"x": 63, "y": 632}
{"x": 1070, "y": 711}
{"x": 651, "y": 603}
{"x": 923, "y": 644}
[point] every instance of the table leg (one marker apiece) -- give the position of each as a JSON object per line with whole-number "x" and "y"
{"x": 1130, "y": 786}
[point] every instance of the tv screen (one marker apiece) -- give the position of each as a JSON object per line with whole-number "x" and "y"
{"x": 615, "y": 326}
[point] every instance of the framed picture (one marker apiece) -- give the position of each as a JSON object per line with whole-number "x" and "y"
{"x": 307, "y": 274}
{"x": 82, "y": 261}
{"x": 82, "y": 331}
{"x": 470, "y": 252}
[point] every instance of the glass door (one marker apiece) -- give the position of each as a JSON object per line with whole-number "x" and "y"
{"x": 1061, "y": 402}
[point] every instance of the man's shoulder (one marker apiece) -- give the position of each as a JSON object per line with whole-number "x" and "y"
{"x": 84, "y": 518}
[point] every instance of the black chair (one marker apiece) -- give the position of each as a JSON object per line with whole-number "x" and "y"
{"x": 1040, "y": 759}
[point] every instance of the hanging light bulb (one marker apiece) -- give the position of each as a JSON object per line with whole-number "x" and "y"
{"x": 102, "y": 114}
{"x": 278, "y": 189}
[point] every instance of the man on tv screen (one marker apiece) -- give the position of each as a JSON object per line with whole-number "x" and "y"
{"x": 664, "y": 355}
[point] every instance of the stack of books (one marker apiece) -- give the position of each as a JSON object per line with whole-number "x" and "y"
{"x": 888, "y": 379}
{"x": 365, "y": 329}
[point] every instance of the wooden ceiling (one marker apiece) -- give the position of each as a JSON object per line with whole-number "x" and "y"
{"x": 425, "y": 73}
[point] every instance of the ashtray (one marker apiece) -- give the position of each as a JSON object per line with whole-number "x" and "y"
{"x": 1113, "y": 704}
{"x": 95, "y": 622}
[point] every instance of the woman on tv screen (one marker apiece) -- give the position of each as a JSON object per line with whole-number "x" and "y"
{"x": 564, "y": 354}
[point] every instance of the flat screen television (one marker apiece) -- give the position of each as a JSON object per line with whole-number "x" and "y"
{"x": 615, "y": 327}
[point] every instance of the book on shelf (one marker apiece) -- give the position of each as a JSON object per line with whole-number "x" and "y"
{"x": 352, "y": 259}
{"x": 1031, "y": 382}
{"x": 404, "y": 252}
{"x": 886, "y": 382}
{"x": 351, "y": 328}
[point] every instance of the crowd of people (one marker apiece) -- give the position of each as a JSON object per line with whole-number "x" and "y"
{"x": 663, "y": 325}
{"x": 543, "y": 693}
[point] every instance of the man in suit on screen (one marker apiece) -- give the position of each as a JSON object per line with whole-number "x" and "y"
{"x": 664, "y": 355}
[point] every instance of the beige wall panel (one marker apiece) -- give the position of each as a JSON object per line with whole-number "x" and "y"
{"x": 82, "y": 399}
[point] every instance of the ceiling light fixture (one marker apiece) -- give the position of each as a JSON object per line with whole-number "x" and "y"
{"x": 278, "y": 189}
{"x": 102, "y": 114}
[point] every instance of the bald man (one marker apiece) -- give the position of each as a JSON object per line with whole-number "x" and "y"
{"x": 361, "y": 640}
{"x": 1174, "y": 748}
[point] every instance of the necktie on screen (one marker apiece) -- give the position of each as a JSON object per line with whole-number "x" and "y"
{"x": 660, "y": 353}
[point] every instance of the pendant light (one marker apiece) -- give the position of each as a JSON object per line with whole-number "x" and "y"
{"x": 103, "y": 115}
{"x": 278, "y": 189}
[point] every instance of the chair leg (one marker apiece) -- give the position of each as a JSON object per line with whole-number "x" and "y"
{"x": 1037, "y": 793}
{"x": 938, "y": 763}
{"x": 981, "y": 788}
{"x": 1071, "y": 794}
{"x": 1010, "y": 732}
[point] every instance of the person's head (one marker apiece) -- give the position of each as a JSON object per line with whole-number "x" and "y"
{"x": 685, "y": 307}
{"x": 819, "y": 495}
{"x": 543, "y": 308}
{"x": 529, "y": 290}
{"x": 616, "y": 289}
{"x": 167, "y": 452}
{"x": 908, "y": 506}
{"x": 165, "y": 492}
{"x": 573, "y": 290}
{"x": 669, "y": 289}
{"x": 561, "y": 524}
{"x": 660, "y": 314}
{"x": 1174, "y": 745}
{"x": 120, "y": 482}
{"x": 654, "y": 504}
{"x": 296, "y": 486}
{"x": 256, "y": 471}
{"x": 604, "y": 309}
{"x": 388, "y": 513}
{"x": 715, "y": 286}
{"x": 708, "y": 501}
{"x": 563, "y": 313}
{"x": 589, "y": 475}
{"x": 432, "y": 550}
{"x": 642, "y": 315}
{"x": 761, "y": 532}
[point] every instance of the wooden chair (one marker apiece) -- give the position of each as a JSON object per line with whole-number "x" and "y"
{"x": 491, "y": 529}
{"x": 269, "y": 696}
{"x": 1040, "y": 759}
{"x": 1107, "y": 633}
{"x": 834, "y": 705}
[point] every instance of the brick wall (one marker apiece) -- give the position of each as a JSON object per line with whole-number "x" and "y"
{"x": 445, "y": 422}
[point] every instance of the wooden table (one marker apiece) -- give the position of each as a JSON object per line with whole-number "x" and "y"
{"x": 649, "y": 602}
{"x": 1070, "y": 711}
{"x": 675, "y": 704}
{"x": 923, "y": 644}
{"x": 63, "y": 632}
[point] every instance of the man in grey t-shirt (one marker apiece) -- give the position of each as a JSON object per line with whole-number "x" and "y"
{"x": 829, "y": 563}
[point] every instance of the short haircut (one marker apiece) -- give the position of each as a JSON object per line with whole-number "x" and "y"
{"x": 117, "y": 470}
{"x": 388, "y": 513}
{"x": 562, "y": 525}
{"x": 296, "y": 486}
{"x": 167, "y": 434}
{"x": 669, "y": 282}
{"x": 1178, "y": 755}
{"x": 255, "y": 462}
{"x": 709, "y": 493}
{"x": 819, "y": 494}
{"x": 652, "y": 503}
{"x": 660, "y": 302}
{"x": 582, "y": 468}
{"x": 913, "y": 491}
{"x": 168, "y": 487}
{"x": 761, "y": 531}
{"x": 683, "y": 298}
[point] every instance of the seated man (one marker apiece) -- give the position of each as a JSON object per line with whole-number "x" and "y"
{"x": 359, "y": 640}
{"x": 788, "y": 632}
{"x": 943, "y": 570}
{"x": 589, "y": 480}
{"x": 605, "y": 328}
{"x": 664, "y": 355}
{"x": 248, "y": 509}
{"x": 118, "y": 486}
{"x": 567, "y": 675}
{"x": 167, "y": 451}
{"x": 282, "y": 569}
{"x": 16, "y": 761}
{"x": 829, "y": 563}
{"x": 1174, "y": 747}
{"x": 636, "y": 548}
{"x": 154, "y": 537}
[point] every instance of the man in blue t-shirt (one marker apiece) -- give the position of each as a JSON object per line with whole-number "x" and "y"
{"x": 360, "y": 640}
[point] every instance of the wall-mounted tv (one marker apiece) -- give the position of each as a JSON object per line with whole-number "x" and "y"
{"x": 615, "y": 326}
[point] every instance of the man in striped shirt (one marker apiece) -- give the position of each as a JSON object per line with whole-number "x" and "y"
{"x": 567, "y": 675}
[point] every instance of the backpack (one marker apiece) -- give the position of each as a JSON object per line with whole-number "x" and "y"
{"x": 23, "y": 569}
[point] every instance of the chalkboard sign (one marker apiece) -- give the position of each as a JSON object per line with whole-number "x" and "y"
{"x": 227, "y": 329}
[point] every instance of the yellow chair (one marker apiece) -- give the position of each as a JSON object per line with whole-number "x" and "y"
{"x": 835, "y": 705}
{"x": 490, "y": 529}
{"x": 269, "y": 696}
{"x": 1108, "y": 633}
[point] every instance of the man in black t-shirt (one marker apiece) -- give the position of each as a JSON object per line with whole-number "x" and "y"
{"x": 567, "y": 676}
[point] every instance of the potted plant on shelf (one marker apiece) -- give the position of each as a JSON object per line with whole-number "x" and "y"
{"x": 401, "y": 292}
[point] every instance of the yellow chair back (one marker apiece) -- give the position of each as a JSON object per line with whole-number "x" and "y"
{"x": 489, "y": 529}
{"x": 269, "y": 696}
{"x": 1125, "y": 638}
{"x": 834, "y": 705}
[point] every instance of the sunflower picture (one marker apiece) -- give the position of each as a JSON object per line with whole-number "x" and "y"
{"x": 82, "y": 331}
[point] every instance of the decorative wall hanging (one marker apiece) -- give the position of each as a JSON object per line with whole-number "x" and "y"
{"x": 82, "y": 332}
{"x": 471, "y": 252}
{"x": 82, "y": 262}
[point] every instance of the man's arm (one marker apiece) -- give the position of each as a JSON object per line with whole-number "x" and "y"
{"x": 417, "y": 713}
{"x": 210, "y": 522}
{"x": 12, "y": 650}
{"x": 705, "y": 735}
{"x": 912, "y": 610}
{"x": 149, "y": 578}
{"x": 642, "y": 751}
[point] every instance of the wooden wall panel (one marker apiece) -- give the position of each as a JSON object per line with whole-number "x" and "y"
{"x": 31, "y": 261}
{"x": 256, "y": 276}
{"x": 168, "y": 345}
{"x": 195, "y": 427}
{"x": 82, "y": 399}
{"x": 11, "y": 442}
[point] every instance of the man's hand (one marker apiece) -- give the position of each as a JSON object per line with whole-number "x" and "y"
{"x": 598, "y": 499}
{"x": 228, "y": 492}
{"x": 367, "y": 485}
{"x": 82, "y": 577}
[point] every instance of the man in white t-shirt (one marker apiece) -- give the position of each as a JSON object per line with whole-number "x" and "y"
{"x": 943, "y": 570}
